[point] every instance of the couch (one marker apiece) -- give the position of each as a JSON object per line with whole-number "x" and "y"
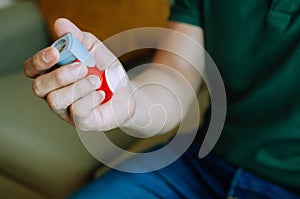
{"x": 40, "y": 155}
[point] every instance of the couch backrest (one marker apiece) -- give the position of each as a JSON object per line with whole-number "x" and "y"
{"x": 22, "y": 33}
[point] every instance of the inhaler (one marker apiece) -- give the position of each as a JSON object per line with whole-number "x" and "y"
{"x": 71, "y": 50}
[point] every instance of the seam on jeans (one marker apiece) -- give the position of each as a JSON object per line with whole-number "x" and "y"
{"x": 234, "y": 182}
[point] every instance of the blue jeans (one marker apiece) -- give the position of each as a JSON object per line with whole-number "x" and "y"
{"x": 188, "y": 177}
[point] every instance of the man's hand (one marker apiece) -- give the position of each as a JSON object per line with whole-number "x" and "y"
{"x": 162, "y": 93}
{"x": 70, "y": 93}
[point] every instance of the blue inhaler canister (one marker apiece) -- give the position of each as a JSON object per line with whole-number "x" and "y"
{"x": 71, "y": 49}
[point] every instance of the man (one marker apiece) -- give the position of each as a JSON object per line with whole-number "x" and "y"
{"x": 256, "y": 46}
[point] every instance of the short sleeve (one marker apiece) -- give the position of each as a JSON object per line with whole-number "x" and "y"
{"x": 186, "y": 11}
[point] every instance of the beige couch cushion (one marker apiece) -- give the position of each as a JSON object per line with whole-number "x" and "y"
{"x": 36, "y": 147}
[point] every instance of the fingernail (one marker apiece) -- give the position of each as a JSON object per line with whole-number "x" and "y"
{"x": 48, "y": 55}
{"x": 94, "y": 80}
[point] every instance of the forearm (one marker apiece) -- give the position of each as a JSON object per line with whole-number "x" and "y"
{"x": 162, "y": 98}
{"x": 164, "y": 90}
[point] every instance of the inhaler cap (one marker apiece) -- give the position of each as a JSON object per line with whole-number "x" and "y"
{"x": 116, "y": 77}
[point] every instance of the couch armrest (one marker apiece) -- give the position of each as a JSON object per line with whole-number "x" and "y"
{"x": 22, "y": 33}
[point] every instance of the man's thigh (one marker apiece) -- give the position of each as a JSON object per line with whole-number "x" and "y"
{"x": 187, "y": 177}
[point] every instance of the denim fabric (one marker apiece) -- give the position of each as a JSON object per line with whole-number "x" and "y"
{"x": 245, "y": 185}
{"x": 188, "y": 177}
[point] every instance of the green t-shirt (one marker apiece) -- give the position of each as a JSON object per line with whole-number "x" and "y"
{"x": 256, "y": 46}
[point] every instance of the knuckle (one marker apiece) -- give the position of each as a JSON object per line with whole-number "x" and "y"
{"x": 85, "y": 125}
{"x": 26, "y": 71}
{"x": 80, "y": 88}
{"x": 76, "y": 111}
{"x": 36, "y": 87}
{"x": 26, "y": 68}
{"x": 61, "y": 77}
{"x": 83, "y": 121}
{"x": 36, "y": 62}
{"x": 53, "y": 101}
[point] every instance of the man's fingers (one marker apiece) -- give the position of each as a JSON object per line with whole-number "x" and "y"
{"x": 63, "y": 26}
{"x": 83, "y": 111}
{"x": 62, "y": 98}
{"x": 58, "y": 78}
{"x": 103, "y": 56}
{"x": 84, "y": 106}
{"x": 40, "y": 62}
{"x": 116, "y": 111}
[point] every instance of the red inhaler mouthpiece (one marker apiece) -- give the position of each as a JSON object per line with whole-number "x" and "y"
{"x": 104, "y": 85}
{"x": 111, "y": 79}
